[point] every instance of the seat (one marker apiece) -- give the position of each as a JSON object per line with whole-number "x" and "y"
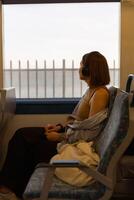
{"x": 110, "y": 145}
{"x": 7, "y": 105}
{"x": 7, "y": 110}
{"x": 125, "y": 171}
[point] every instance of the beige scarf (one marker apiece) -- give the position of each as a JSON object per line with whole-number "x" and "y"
{"x": 80, "y": 150}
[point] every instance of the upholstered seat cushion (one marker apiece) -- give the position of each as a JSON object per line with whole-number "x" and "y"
{"x": 61, "y": 189}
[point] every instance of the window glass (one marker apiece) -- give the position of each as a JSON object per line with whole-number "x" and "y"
{"x": 44, "y": 43}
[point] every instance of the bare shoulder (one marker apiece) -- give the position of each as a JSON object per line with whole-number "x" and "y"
{"x": 100, "y": 97}
{"x": 99, "y": 101}
{"x": 101, "y": 93}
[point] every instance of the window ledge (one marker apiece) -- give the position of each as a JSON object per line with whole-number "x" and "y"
{"x": 46, "y": 106}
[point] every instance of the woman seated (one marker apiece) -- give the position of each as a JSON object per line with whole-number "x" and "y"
{"x": 32, "y": 145}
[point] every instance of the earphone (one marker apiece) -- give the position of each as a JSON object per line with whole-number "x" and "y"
{"x": 85, "y": 71}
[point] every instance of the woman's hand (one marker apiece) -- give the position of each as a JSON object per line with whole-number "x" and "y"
{"x": 53, "y": 136}
{"x": 52, "y": 128}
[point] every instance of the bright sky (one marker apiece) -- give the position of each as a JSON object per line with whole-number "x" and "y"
{"x": 61, "y": 31}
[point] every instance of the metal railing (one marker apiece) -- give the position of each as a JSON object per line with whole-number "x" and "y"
{"x": 46, "y": 82}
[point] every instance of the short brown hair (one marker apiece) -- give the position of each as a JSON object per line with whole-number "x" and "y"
{"x": 98, "y": 69}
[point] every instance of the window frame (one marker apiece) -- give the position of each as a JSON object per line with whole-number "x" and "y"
{"x": 55, "y": 1}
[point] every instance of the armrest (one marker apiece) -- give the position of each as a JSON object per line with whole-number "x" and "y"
{"x": 60, "y": 163}
{"x": 87, "y": 169}
{"x": 70, "y": 163}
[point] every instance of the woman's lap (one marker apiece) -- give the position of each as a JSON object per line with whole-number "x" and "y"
{"x": 35, "y": 136}
{"x": 27, "y": 147}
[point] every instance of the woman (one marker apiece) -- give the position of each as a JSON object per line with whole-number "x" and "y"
{"x": 28, "y": 145}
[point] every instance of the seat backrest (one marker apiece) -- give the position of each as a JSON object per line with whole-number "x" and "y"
{"x": 0, "y": 111}
{"x": 115, "y": 130}
{"x": 129, "y": 86}
{"x": 129, "y": 82}
{"x": 112, "y": 93}
{"x": 7, "y": 105}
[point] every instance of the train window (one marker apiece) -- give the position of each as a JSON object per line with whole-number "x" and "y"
{"x": 43, "y": 45}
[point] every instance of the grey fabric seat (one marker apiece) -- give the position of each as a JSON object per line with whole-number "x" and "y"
{"x": 7, "y": 105}
{"x": 7, "y": 111}
{"x": 125, "y": 171}
{"x": 111, "y": 144}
